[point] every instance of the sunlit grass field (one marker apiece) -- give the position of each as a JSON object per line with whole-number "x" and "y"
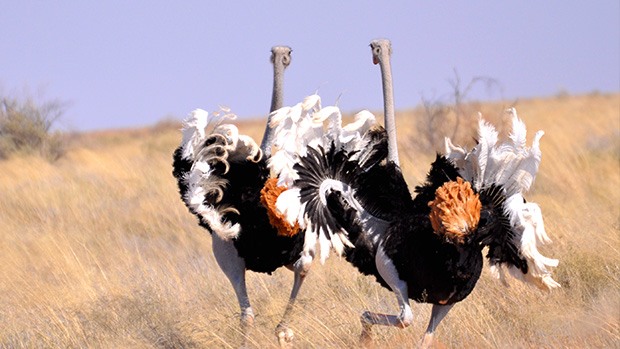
{"x": 98, "y": 251}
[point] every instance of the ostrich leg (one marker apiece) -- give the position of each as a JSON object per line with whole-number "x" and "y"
{"x": 437, "y": 314}
{"x": 300, "y": 268}
{"x": 388, "y": 272}
{"x": 233, "y": 267}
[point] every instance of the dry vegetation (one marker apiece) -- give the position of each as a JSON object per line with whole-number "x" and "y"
{"x": 98, "y": 251}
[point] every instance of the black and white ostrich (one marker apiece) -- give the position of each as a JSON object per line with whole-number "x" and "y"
{"x": 344, "y": 185}
{"x": 220, "y": 174}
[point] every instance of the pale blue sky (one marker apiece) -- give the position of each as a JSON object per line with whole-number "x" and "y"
{"x": 132, "y": 63}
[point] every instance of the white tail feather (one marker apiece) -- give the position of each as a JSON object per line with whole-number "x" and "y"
{"x": 482, "y": 156}
{"x": 518, "y": 133}
{"x": 457, "y": 155}
{"x": 526, "y": 219}
{"x": 325, "y": 244}
{"x": 193, "y": 132}
{"x": 310, "y": 239}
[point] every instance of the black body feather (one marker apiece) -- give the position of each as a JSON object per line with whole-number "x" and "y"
{"x": 496, "y": 232}
{"x": 258, "y": 243}
{"x": 436, "y": 270}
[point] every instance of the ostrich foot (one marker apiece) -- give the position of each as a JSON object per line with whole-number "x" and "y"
{"x": 247, "y": 323}
{"x": 427, "y": 341}
{"x": 247, "y": 320}
{"x": 285, "y": 336}
{"x": 366, "y": 336}
{"x": 366, "y": 339}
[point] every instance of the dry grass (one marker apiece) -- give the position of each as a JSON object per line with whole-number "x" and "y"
{"x": 98, "y": 251}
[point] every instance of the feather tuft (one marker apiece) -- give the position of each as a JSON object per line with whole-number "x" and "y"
{"x": 455, "y": 211}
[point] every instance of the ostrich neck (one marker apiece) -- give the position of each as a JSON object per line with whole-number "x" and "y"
{"x": 277, "y": 94}
{"x": 276, "y": 103}
{"x": 388, "y": 107}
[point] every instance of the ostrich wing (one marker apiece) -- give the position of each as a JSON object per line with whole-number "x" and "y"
{"x": 315, "y": 157}
{"x": 216, "y": 169}
{"x": 512, "y": 228}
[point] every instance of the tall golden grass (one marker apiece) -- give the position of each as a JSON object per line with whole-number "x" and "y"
{"x": 98, "y": 251}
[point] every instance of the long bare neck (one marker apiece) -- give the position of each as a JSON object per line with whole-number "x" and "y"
{"x": 382, "y": 51}
{"x": 280, "y": 58}
{"x": 277, "y": 94}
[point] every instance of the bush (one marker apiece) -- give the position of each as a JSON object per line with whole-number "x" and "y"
{"x": 453, "y": 115}
{"x": 26, "y": 128}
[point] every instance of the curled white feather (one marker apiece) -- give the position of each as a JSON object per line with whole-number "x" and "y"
{"x": 193, "y": 132}
{"x": 200, "y": 180}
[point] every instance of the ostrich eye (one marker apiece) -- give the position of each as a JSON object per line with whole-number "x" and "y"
{"x": 286, "y": 59}
{"x": 376, "y": 49}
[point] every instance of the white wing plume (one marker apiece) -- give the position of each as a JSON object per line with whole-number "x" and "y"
{"x": 208, "y": 141}
{"x": 512, "y": 165}
{"x": 298, "y": 129}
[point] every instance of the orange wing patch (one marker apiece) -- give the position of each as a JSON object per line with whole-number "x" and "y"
{"x": 268, "y": 197}
{"x": 455, "y": 212}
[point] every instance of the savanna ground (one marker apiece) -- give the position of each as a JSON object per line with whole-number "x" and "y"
{"x": 99, "y": 252}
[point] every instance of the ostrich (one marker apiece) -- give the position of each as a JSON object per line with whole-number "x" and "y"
{"x": 349, "y": 188}
{"x": 220, "y": 175}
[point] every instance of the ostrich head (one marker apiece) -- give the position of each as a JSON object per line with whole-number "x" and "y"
{"x": 381, "y": 48}
{"x": 455, "y": 212}
{"x": 281, "y": 55}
